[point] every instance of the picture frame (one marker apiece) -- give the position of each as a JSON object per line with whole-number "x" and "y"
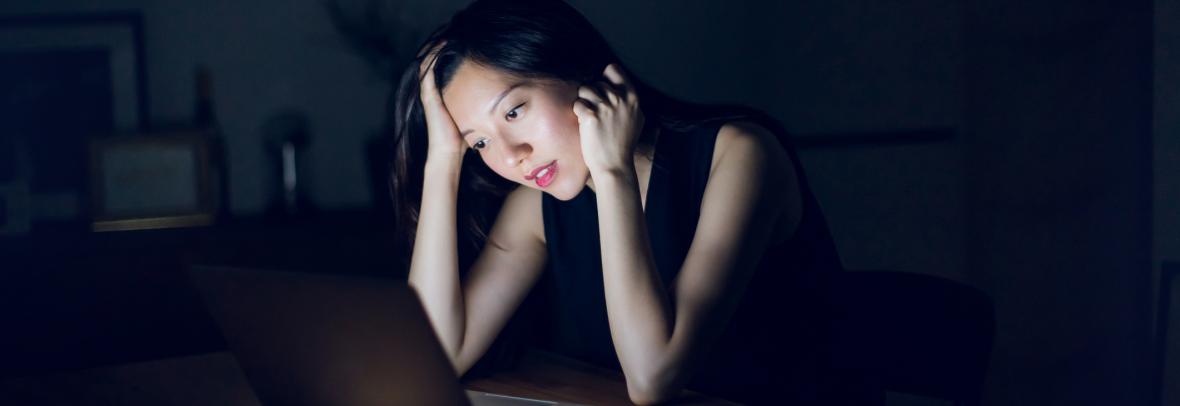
{"x": 118, "y": 33}
{"x": 154, "y": 180}
{"x": 65, "y": 78}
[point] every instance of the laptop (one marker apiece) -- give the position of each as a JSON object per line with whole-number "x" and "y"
{"x": 317, "y": 339}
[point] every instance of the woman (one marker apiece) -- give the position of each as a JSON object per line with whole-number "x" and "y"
{"x": 713, "y": 274}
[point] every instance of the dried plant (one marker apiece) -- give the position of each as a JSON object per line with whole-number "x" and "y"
{"x": 383, "y": 33}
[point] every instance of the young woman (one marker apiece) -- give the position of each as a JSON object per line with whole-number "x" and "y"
{"x": 711, "y": 270}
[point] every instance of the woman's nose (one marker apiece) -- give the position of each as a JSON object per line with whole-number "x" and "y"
{"x": 515, "y": 152}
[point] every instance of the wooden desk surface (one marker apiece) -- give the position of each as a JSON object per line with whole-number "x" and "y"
{"x": 215, "y": 379}
{"x": 543, "y": 375}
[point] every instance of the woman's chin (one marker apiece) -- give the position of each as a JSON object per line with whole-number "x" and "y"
{"x": 563, "y": 194}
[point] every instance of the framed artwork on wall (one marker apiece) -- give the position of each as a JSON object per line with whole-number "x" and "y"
{"x": 65, "y": 78}
{"x": 116, "y": 35}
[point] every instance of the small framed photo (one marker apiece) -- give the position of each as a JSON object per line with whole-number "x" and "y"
{"x": 152, "y": 181}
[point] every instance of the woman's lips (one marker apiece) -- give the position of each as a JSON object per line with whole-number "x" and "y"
{"x": 537, "y": 171}
{"x": 546, "y": 174}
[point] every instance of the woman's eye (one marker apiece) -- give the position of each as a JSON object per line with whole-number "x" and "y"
{"x": 478, "y": 144}
{"x": 512, "y": 113}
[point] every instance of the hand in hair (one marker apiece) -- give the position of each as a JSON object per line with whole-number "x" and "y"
{"x": 609, "y": 122}
{"x": 443, "y": 134}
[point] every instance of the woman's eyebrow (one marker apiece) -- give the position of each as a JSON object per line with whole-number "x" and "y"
{"x": 496, "y": 102}
{"x": 492, "y": 109}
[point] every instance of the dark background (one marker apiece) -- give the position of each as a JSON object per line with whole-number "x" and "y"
{"x": 1051, "y": 187}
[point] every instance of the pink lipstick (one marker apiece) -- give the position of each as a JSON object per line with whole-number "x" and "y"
{"x": 544, "y": 175}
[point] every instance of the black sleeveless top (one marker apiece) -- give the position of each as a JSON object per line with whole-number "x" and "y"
{"x": 775, "y": 346}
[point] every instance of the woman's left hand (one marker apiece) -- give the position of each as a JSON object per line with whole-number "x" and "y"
{"x": 609, "y": 122}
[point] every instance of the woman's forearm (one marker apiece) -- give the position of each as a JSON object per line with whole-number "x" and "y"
{"x": 434, "y": 262}
{"x": 638, "y": 309}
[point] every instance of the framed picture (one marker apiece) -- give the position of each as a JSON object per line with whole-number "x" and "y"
{"x": 117, "y": 35}
{"x": 1167, "y": 340}
{"x": 157, "y": 180}
{"x": 65, "y": 78}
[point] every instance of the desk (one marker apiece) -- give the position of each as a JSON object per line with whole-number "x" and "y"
{"x": 215, "y": 379}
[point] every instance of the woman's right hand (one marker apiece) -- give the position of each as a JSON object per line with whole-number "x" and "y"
{"x": 444, "y": 138}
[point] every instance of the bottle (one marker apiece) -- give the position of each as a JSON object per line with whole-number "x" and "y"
{"x": 205, "y": 119}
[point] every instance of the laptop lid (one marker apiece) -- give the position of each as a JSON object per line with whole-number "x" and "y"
{"x": 316, "y": 339}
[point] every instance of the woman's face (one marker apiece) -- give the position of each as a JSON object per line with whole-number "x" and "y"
{"x": 518, "y": 125}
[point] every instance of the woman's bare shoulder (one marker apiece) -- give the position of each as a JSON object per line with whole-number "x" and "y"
{"x": 522, "y": 208}
{"x": 755, "y": 144}
{"x": 738, "y": 132}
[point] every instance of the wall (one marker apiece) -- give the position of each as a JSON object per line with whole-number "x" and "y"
{"x": 899, "y": 67}
{"x": 1058, "y": 169}
{"x": 829, "y": 67}
{"x": 266, "y": 58}
{"x": 1040, "y": 198}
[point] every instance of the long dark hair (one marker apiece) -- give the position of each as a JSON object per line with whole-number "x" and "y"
{"x": 543, "y": 39}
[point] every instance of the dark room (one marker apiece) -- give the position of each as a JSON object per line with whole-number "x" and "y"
{"x": 590, "y": 202}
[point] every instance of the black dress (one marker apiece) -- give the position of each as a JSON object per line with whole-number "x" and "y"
{"x": 774, "y": 349}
